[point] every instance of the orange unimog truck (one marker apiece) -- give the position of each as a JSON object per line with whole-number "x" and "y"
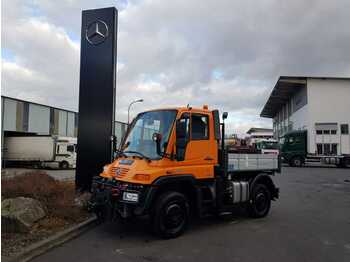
{"x": 173, "y": 164}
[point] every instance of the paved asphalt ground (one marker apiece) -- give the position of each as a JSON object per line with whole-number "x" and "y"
{"x": 310, "y": 222}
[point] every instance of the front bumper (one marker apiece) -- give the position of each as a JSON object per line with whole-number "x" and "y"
{"x": 109, "y": 197}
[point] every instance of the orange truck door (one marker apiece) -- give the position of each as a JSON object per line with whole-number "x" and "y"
{"x": 199, "y": 155}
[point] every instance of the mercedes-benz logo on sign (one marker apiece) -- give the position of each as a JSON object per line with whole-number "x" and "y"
{"x": 97, "y": 32}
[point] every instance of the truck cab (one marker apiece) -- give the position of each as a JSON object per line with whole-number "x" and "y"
{"x": 170, "y": 165}
{"x": 268, "y": 146}
{"x": 294, "y": 151}
{"x": 293, "y": 147}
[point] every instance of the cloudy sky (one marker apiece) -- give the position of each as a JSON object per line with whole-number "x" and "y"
{"x": 224, "y": 53}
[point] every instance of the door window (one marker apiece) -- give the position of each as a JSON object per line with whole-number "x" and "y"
{"x": 70, "y": 148}
{"x": 344, "y": 129}
{"x": 200, "y": 128}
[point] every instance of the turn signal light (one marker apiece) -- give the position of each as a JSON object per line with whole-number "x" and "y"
{"x": 141, "y": 177}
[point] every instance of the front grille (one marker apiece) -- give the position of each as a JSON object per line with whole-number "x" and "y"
{"x": 119, "y": 172}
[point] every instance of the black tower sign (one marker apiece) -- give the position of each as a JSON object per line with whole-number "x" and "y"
{"x": 98, "y": 58}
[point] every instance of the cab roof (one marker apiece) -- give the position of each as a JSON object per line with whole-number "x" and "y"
{"x": 204, "y": 109}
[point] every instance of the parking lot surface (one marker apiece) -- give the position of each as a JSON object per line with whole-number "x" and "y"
{"x": 310, "y": 222}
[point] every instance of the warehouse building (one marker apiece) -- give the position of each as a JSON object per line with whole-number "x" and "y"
{"x": 320, "y": 105}
{"x": 21, "y": 117}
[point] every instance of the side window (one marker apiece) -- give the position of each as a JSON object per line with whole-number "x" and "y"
{"x": 70, "y": 148}
{"x": 344, "y": 128}
{"x": 200, "y": 127}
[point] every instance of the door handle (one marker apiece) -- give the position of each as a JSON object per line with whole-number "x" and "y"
{"x": 208, "y": 158}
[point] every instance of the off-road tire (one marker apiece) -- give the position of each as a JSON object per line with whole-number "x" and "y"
{"x": 260, "y": 201}
{"x": 170, "y": 215}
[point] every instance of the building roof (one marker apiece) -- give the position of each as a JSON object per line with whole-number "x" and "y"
{"x": 285, "y": 87}
{"x": 258, "y": 129}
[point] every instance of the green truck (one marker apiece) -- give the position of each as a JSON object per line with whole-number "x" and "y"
{"x": 294, "y": 151}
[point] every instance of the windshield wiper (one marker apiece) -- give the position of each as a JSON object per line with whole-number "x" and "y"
{"x": 135, "y": 152}
{"x": 120, "y": 152}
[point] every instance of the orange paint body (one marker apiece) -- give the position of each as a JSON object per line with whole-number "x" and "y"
{"x": 200, "y": 158}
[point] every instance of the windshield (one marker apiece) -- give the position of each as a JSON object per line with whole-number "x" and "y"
{"x": 139, "y": 141}
{"x": 268, "y": 145}
{"x": 282, "y": 140}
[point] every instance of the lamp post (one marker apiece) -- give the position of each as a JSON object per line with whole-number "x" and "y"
{"x": 133, "y": 102}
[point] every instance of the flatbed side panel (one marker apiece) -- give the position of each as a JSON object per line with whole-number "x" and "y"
{"x": 252, "y": 162}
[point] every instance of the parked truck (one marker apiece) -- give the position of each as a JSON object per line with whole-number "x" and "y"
{"x": 294, "y": 150}
{"x": 40, "y": 151}
{"x": 173, "y": 164}
{"x": 268, "y": 146}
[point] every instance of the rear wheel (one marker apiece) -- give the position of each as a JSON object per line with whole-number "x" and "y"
{"x": 260, "y": 201}
{"x": 171, "y": 215}
{"x": 296, "y": 161}
{"x": 64, "y": 165}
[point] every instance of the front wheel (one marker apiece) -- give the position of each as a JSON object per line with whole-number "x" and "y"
{"x": 171, "y": 215}
{"x": 260, "y": 201}
{"x": 296, "y": 161}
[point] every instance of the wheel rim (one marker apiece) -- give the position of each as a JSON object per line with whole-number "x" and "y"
{"x": 261, "y": 202}
{"x": 297, "y": 162}
{"x": 174, "y": 216}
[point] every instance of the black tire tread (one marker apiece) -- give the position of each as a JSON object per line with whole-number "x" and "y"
{"x": 161, "y": 201}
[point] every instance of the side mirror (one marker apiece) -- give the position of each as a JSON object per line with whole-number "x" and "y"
{"x": 224, "y": 115}
{"x": 157, "y": 138}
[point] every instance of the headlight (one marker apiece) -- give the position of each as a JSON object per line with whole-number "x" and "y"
{"x": 132, "y": 197}
{"x": 105, "y": 169}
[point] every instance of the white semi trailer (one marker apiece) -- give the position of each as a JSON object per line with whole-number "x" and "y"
{"x": 40, "y": 151}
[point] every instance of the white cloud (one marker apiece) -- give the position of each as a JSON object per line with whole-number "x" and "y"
{"x": 227, "y": 54}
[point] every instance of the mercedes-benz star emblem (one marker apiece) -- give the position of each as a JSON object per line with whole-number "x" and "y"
{"x": 97, "y": 32}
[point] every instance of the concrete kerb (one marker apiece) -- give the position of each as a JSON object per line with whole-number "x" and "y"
{"x": 45, "y": 245}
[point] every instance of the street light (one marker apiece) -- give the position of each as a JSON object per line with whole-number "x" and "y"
{"x": 133, "y": 102}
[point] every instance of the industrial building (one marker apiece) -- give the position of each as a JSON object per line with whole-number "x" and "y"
{"x": 24, "y": 117}
{"x": 256, "y": 134}
{"x": 320, "y": 105}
